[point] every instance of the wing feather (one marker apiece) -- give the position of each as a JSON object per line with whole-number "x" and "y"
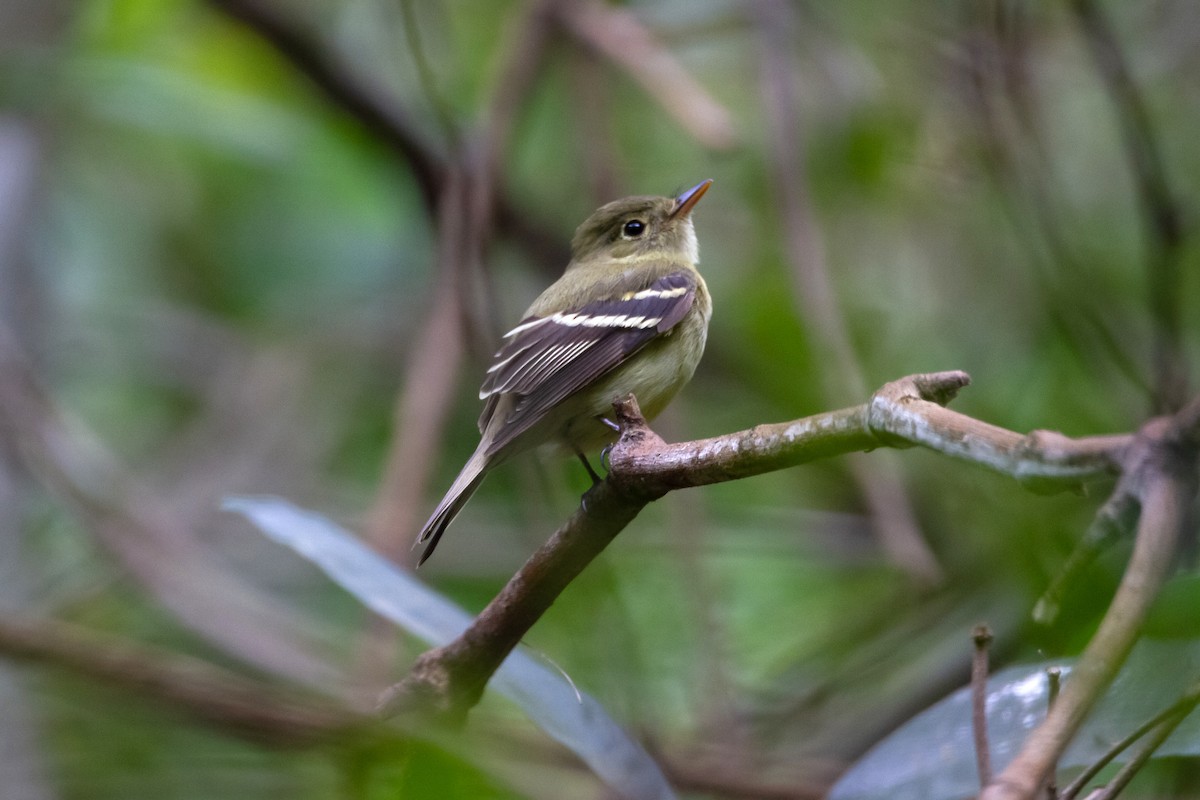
{"x": 546, "y": 359}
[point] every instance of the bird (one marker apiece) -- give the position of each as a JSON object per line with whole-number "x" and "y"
{"x": 630, "y": 314}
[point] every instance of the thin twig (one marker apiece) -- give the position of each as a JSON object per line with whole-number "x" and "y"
{"x": 146, "y": 535}
{"x": 1114, "y": 520}
{"x": 1161, "y": 470}
{"x": 1132, "y": 767}
{"x": 1181, "y": 707}
{"x": 355, "y": 94}
{"x": 1160, "y": 210}
{"x": 618, "y": 35}
{"x": 382, "y": 116}
{"x": 1016, "y": 158}
{"x": 464, "y": 222}
{"x": 423, "y": 404}
{"x": 902, "y": 414}
{"x": 1054, "y": 686}
{"x": 232, "y": 702}
{"x": 982, "y": 638}
{"x": 526, "y": 44}
{"x": 879, "y": 479}
{"x": 425, "y": 76}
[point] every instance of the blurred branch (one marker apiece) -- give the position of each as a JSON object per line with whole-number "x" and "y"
{"x": 618, "y": 35}
{"x": 380, "y": 114}
{"x": 354, "y": 94}
{"x": 447, "y": 681}
{"x": 464, "y": 221}
{"x": 1113, "y": 521}
{"x": 1018, "y": 162}
{"x": 527, "y": 40}
{"x": 425, "y": 77}
{"x": 22, "y": 304}
{"x": 425, "y": 400}
{"x": 24, "y": 770}
{"x": 251, "y": 708}
{"x": 592, "y": 115}
{"x": 147, "y": 536}
{"x": 1169, "y": 718}
{"x": 1159, "y": 734}
{"x": 465, "y": 218}
{"x": 1159, "y": 470}
{"x": 1162, "y": 214}
{"x": 878, "y": 479}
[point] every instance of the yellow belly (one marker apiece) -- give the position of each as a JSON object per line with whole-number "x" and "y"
{"x": 655, "y": 374}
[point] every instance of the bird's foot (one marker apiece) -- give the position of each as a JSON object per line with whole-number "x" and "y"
{"x": 595, "y": 476}
{"x": 583, "y": 498}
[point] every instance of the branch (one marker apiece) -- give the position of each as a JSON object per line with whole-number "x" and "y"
{"x": 384, "y": 118}
{"x": 354, "y": 94}
{"x": 423, "y": 404}
{"x": 1016, "y": 156}
{"x": 148, "y": 536}
{"x": 879, "y": 480}
{"x": 1139, "y": 758}
{"x": 1160, "y": 472}
{"x": 903, "y": 413}
{"x": 982, "y": 638}
{"x": 465, "y": 219}
{"x": 231, "y": 701}
{"x": 1168, "y": 717}
{"x": 620, "y": 37}
{"x": 1163, "y": 217}
{"x": 447, "y": 681}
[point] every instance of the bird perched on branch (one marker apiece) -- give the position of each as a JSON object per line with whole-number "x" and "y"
{"x": 630, "y": 314}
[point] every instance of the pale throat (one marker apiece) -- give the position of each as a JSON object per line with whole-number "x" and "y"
{"x": 690, "y": 245}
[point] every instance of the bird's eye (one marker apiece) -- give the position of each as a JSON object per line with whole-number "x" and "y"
{"x": 634, "y": 228}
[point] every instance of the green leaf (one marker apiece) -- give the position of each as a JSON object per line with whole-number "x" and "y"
{"x": 932, "y": 756}
{"x": 567, "y": 715}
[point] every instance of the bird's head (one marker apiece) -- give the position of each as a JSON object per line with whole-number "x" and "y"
{"x": 640, "y": 227}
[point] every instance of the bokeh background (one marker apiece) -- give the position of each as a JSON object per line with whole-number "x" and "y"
{"x": 266, "y": 247}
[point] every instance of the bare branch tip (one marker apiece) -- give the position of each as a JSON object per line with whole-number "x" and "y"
{"x": 940, "y": 387}
{"x": 628, "y": 413}
{"x": 1187, "y": 421}
{"x": 982, "y": 636}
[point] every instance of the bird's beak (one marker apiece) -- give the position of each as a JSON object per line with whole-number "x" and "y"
{"x": 687, "y": 201}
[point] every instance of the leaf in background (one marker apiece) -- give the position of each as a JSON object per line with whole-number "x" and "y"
{"x": 570, "y": 717}
{"x": 932, "y": 756}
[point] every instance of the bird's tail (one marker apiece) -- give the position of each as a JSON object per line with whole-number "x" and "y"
{"x": 460, "y": 492}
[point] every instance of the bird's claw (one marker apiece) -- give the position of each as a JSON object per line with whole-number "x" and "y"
{"x": 604, "y": 456}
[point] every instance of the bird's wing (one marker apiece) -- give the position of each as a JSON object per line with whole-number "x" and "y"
{"x": 546, "y": 359}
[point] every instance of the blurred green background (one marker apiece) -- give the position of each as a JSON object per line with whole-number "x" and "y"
{"x": 228, "y": 231}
